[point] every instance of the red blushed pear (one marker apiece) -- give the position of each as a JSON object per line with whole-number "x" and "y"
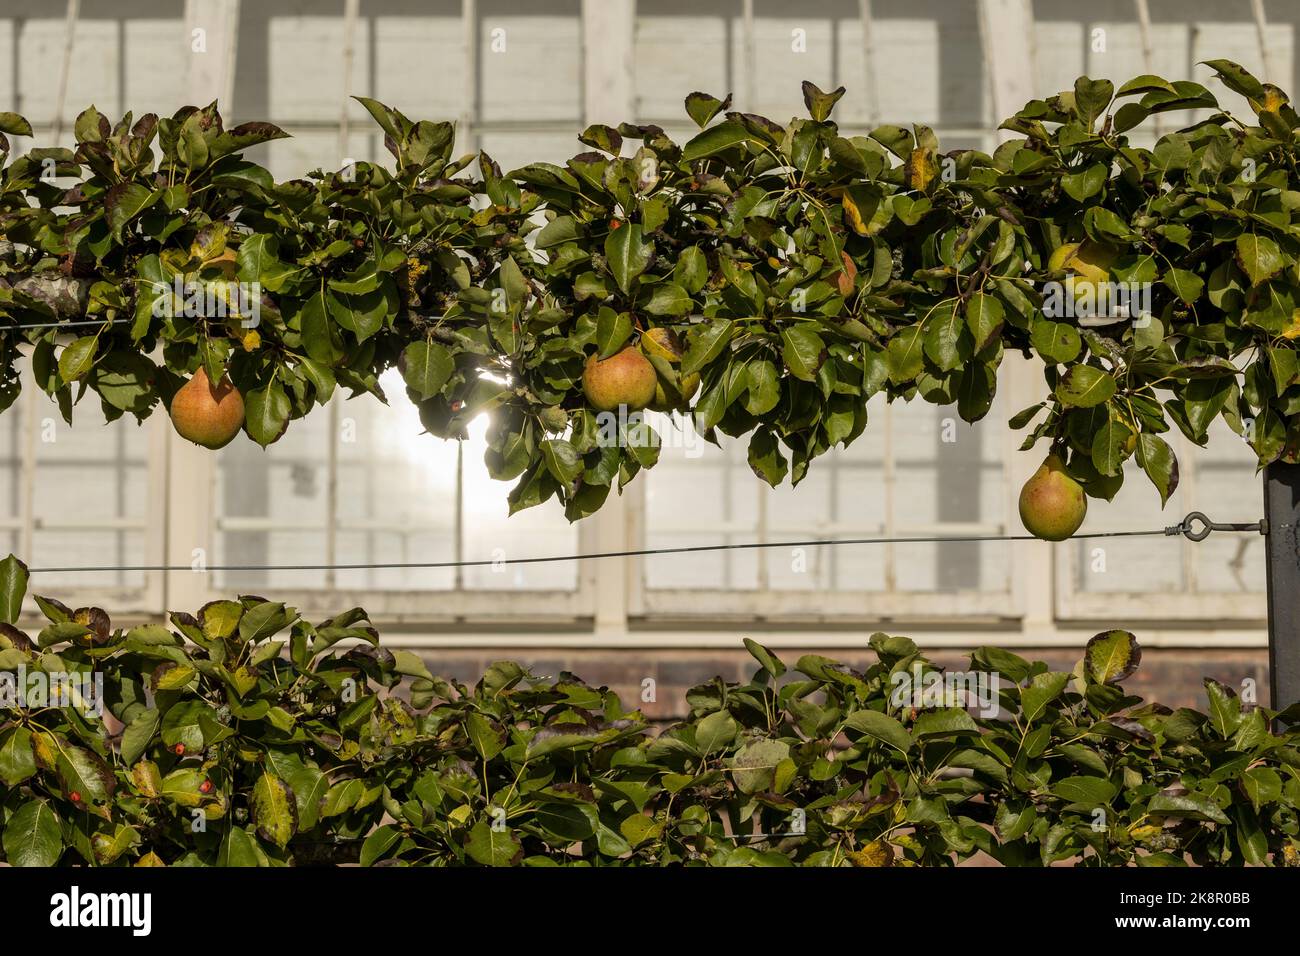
{"x": 205, "y": 414}
{"x": 625, "y": 378}
{"x": 1052, "y": 504}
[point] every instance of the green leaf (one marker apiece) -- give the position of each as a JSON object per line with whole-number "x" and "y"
{"x": 905, "y": 354}
{"x": 183, "y": 723}
{"x": 613, "y": 329}
{"x": 716, "y": 139}
{"x": 486, "y": 737}
{"x": 1236, "y": 78}
{"x": 1057, "y": 342}
{"x": 692, "y": 270}
{"x": 124, "y": 202}
{"x": 76, "y": 360}
{"x": 1041, "y": 690}
{"x": 1186, "y": 285}
{"x": 754, "y": 765}
{"x": 803, "y": 351}
{"x": 491, "y": 847}
{"x": 950, "y": 720}
{"x": 1189, "y": 806}
{"x": 1158, "y": 461}
{"x": 558, "y": 231}
{"x": 1086, "y": 183}
{"x": 428, "y": 366}
{"x": 1108, "y": 447}
{"x": 1084, "y": 386}
{"x": 14, "y": 125}
{"x": 984, "y": 318}
{"x": 769, "y": 661}
{"x": 702, "y": 107}
{"x": 1091, "y": 97}
{"x": 820, "y": 104}
{"x": 668, "y": 299}
{"x": 13, "y": 588}
{"x": 947, "y": 342}
{"x": 378, "y": 843}
{"x": 33, "y": 836}
{"x": 705, "y": 344}
{"x": 562, "y": 460}
{"x": 879, "y": 726}
{"x": 266, "y": 413}
{"x": 715, "y": 732}
{"x": 1261, "y": 786}
{"x": 1111, "y": 656}
{"x": 17, "y": 761}
{"x": 390, "y": 120}
{"x": 628, "y": 254}
{"x": 138, "y": 734}
{"x": 258, "y": 261}
{"x": 239, "y": 848}
{"x": 1089, "y": 791}
{"x": 262, "y": 620}
{"x": 1259, "y": 257}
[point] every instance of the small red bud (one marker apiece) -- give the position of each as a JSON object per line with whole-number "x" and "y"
{"x": 74, "y": 796}
{"x": 205, "y": 786}
{"x": 180, "y": 750}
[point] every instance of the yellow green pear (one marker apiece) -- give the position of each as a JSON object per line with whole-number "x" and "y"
{"x": 1052, "y": 504}
{"x": 1089, "y": 260}
{"x": 207, "y": 415}
{"x": 667, "y": 345}
{"x": 625, "y": 378}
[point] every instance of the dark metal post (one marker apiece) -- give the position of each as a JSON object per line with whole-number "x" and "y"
{"x": 1282, "y": 514}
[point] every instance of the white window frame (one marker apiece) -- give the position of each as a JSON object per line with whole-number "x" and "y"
{"x": 122, "y": 603}
{"x": 993, "y": 607}
{"x": 1207, "y": 608}
{"x": 196, "y": 524}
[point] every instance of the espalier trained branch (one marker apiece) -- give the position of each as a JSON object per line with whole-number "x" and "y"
{"x": 768, "y": 279}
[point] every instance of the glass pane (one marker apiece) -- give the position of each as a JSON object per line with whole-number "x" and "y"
{"x": 928, "y": 64}
{"x": 491, "y": 533}
{"x": 1219, "y": 479}
{"x": 1228, "y": 488}
{"x": 90, "y": 499}
{"x": 395, "y": 503}
{"x": 530, "y": 64}
{"x": 272, "y": 507}
{"x": 946, "y": 479}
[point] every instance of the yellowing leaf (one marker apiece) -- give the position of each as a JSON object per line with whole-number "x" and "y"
{"x": 1292, "y": 331}
{"x": 921, "y": 169}
{"x": 275, "y": 810}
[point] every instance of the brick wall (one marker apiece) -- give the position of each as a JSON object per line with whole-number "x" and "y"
{"x": 1170, "y": 676}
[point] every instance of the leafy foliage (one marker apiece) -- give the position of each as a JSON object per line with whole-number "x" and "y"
{"x": 244, "y": 736}
{"x": 806, "y": 270}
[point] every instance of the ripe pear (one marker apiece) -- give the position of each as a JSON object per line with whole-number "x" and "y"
{"x": 1086, "y": 259}
{"x": 206, "y": 415}
{"x": 625, "y": 378}
{"x": 1052, "y": 504}
{"x": 667, "y": 345}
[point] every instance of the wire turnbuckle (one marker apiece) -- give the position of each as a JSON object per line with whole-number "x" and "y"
{"x": 1188, "y": 527}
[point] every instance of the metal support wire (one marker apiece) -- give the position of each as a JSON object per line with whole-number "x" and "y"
{"x": 1187, "y": 527}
